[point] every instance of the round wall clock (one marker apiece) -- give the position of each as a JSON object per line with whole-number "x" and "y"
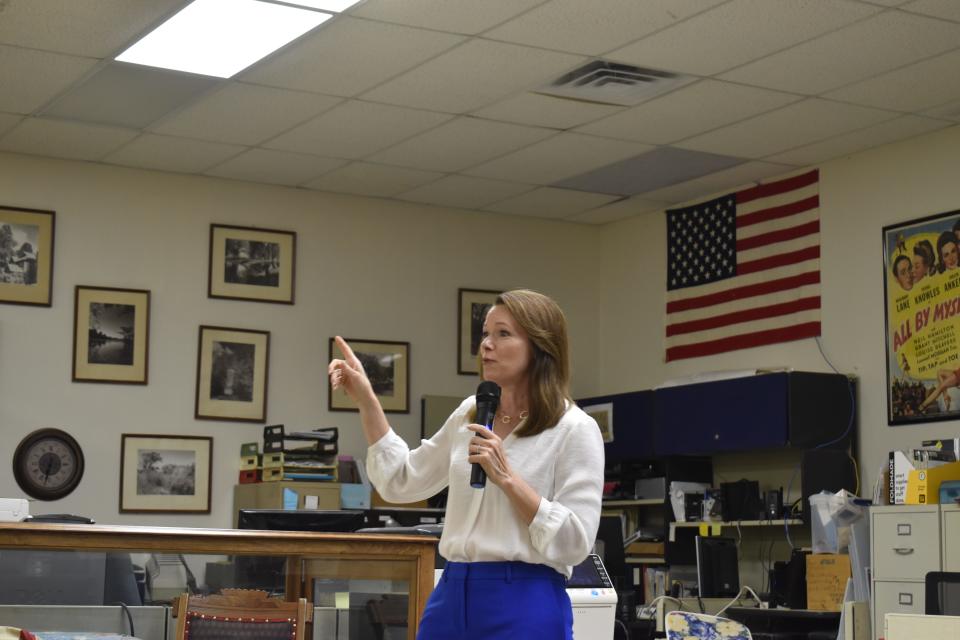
{"x": 48, "y": 464}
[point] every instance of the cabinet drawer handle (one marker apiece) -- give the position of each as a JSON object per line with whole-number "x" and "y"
{"x": 903, "y": 551}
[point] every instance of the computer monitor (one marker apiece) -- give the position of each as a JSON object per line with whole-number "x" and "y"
{"x": 609, "y": 546}
{"x": 943, "y": 593}
{"x": 718, "y": 572}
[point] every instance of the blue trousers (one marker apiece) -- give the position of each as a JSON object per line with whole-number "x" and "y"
{"x": 498, "y": 601}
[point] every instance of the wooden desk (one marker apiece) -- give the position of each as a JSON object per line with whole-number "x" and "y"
{"x": 350, "y": 555}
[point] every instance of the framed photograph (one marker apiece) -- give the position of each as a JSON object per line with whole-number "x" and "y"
{"x": 26, "y": 256}
{"x": 111, "y": 335}
{"x": 921, "y": 280}
{"x": 472, "y": 307}
{"x": 165, "y": 474}
{"x": 252, "y": 264}
{"x": 232, "y": 367}
{"x": 603, "y": 414}
{"x": 387, "y": 365}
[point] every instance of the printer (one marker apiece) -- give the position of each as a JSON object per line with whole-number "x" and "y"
{"x": 593, "y": 598}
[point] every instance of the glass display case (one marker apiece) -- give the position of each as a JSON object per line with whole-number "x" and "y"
{"x": 94, "y": 578}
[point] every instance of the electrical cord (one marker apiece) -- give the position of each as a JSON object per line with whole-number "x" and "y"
{"x": 126, "y": 610}
{"x": 626, "y": 632}
{"x": 652, "y": 610}
{"x": 738, "y": 597}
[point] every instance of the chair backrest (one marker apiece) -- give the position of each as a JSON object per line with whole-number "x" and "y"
{"x": 942, "y": 593}
{"x": 682, "y": 625}
{"x": 235, "y": 613}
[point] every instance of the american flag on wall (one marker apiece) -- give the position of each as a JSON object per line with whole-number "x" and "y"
{"x": 743, "y": 270}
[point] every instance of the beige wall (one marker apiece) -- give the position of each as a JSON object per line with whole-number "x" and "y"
{"x": 366, "y": 268}
{"x": 859, "y": 195}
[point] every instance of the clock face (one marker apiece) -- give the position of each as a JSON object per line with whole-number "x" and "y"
{"x": 48, "y": 464}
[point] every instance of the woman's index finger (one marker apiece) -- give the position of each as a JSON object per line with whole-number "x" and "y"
{"x": 345, "y": 349}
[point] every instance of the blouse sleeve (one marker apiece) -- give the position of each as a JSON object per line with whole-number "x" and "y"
{"x": 565, "y": 527}
{"x": 401, "y": 475}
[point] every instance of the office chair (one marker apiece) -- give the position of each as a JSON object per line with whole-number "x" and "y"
{"x": 239, "y": 613}
{"x": 682, "y": 625}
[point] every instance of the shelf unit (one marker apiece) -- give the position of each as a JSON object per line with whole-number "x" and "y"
{"x": 742, "y": 523}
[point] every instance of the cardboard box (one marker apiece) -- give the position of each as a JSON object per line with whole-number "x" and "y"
{"x": 923, "y": 485}
{"x": 827, "y": 575}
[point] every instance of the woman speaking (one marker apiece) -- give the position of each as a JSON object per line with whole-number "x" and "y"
{"x": 511, "y": 544}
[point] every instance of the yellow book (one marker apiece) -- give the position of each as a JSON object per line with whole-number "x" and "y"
{"x": 923, "y": 485}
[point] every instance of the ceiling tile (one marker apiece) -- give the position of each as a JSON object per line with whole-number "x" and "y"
{"x": 458, "y": 16}
{"x": 8, "y": 121}
{"x": 592, "y": 28}
{"x": 715, "y": 183}
{"x": 557, "y": 158}
{"x": 874, "y": 136}
{"x": 356, "y": 129}
{"x": 244, "y": 114}
{"x": 946, "y": 9}
{"x": 855, "y": 52}
{"x": 473, "y": 75}
{"x": 946, "y": 111}
{"x": 128, "y": 95}
{"x": 96, "y": 28}
{"x": 739, "y": 32}
{"x": 800, "y": 123}
{"x": 166, "y": 153}
{"x": 31, "y": 78}
{"x": 274, "y": 167}
{"x": 541, "y": 110}
{"x": 912, "y": 88}
{"x": 693, "y": 109}
{"x": 459, "y": 144}
{"x": 347, "y": 56}
{"x": 60, "y": 139}
{"x": 621, "y": 210}
{"x": 550, "y": 202}
{"x": 365, "y": 179}
{"x": 464, "y": 192}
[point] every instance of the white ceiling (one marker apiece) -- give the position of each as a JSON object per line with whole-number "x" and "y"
{"x": 432, "y": 101}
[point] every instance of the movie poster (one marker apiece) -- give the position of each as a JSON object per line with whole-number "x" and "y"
{"x": 922, "y": 296}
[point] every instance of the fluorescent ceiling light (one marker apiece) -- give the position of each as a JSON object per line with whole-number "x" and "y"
{"x": 335, "y": 6}
{"x": 221, "y": 37}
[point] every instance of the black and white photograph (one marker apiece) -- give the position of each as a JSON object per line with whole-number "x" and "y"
{"x": 247, "y": 263}
{"x": 111, "y": 328}
{"x": 26, "y": 256}
{"x": 472, "y": 308}
{"x": 111, "y": 334}
{"x": 165, "y": 473}
{"x": 232, "y": 369}
{"x": 252, "y": 262}
{"x": 387, "y": 365}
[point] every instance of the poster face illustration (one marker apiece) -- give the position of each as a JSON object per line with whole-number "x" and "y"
{"x": 922, "y": 309}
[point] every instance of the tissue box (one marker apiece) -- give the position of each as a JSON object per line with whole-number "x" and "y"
{"x": 13, "y": 509}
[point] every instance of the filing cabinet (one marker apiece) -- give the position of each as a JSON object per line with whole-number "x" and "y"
{"x": 906, "y": 544}
{"x": 950, "y": 536}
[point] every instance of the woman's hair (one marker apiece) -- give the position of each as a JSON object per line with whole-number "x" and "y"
{"x": 549, "y": 378}
{"x": 897, "y": 261}
{"x": 925, "y": 250}
{"x": 945, "y": 238}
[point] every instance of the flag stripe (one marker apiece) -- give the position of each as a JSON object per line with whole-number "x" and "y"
{"x": 773, "y": 336}
{"x": 747, "y": 315}
{"x": 738, "y": 293}
{"x": 778, "y": 224}
{"x": 777, "y": 297}
{"x": 778, "y": 187}
{"x": 779, "y": 236}
{"x": 758, "y": 277}
{"x": 782, "y": 211}
{"x": 766, "y": 251}
{"x": 741, "y": 328}
{"x": 778, "y": 260}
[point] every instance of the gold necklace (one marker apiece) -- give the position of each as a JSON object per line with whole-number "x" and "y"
{"x": 505, "y": 419}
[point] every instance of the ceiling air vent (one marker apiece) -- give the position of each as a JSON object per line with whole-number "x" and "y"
{"x": 614, "y": 83}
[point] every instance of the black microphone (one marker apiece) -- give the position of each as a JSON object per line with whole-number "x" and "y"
{"x": 488, "y": 399}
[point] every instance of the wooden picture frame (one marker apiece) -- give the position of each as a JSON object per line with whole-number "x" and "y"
{"x": 26, "y": 256}
{"x": 111, "y": 335}
{"x": 247, "y": 263}
{"x": 472, "y": 307}
{"x": 602, "y": 414}
{"x": 387, "y": 365}
{"x": 232, "y": 370}
{"x": 165, "y": 473}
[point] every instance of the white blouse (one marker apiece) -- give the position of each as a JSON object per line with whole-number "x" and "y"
{"x": 563, "y": 464}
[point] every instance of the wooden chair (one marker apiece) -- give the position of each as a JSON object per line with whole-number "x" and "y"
{"x": 241, "y": 614}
